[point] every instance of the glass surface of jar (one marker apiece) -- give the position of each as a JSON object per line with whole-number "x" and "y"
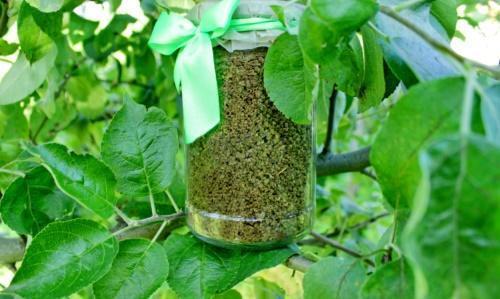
{"x": 250, "y": 181}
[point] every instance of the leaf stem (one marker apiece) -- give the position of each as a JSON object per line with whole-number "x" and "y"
{"x": 152, "y": 203}
{"x": 160, "y": 230}
{"x": 122, "y": 215}
{"x": 494, "y": 71}
{"x": 172, "y": 201}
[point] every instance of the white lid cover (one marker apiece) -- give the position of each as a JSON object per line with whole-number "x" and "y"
{"x": 232, "y": 41}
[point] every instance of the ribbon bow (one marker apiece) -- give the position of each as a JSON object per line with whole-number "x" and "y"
{"x": 194, "y": 71}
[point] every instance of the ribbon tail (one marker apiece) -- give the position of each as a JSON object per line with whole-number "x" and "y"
{"x": 200, "y": 97}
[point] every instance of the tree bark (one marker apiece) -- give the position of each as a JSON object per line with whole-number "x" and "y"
{"x": 340, "y": 163}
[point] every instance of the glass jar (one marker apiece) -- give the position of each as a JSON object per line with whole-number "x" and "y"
{"x": 250, "y": 181}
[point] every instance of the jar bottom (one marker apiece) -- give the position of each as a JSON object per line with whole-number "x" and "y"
{"x": 248, "y": 233}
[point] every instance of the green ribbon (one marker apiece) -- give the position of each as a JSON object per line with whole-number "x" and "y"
{"x": 194, "y": 72}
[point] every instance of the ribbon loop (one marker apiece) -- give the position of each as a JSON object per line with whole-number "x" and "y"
{"x": 194, "y": 72}
{"x": 171, "y": 33}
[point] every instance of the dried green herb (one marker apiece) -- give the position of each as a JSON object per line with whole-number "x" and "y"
{"x": 250, "y": 181}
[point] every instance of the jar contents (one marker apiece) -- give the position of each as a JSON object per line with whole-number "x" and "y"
{"x": 250, "y": 180}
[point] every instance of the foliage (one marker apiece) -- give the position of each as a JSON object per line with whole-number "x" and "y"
{"x": 91, "y": 170}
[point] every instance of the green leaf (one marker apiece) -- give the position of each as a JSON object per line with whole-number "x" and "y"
{"x": 82, "y": 177}
{"x": 23, "y": 78}
{"x": 328, "y": 22}
{"x": 373, "y": 86}
{"x": 48, "y": 91}
{"x": 392, "y": 280}
{"x": 453, "y": 235}
{"x": 398, "y": 67}
{"x": 425, "y": 62}
{"x": 264, "y": 289}
{"x": 231, "y": 294}
{"x": 109, "y": 39}
{"x": 316, "y": 39}
{"x": 344, "y": 16}
{"x": 198, "y": 270}
{"x": 46, "y": 5}
{"x": 427, "y": 111}
{"x": 64, "y": 114}
{"x": 6, "y": 48}
{"x": 138, "y": 270}
{"x": 80, "y": 29}
{"x": 140, "y": 147}
{"x": 391, "y": 81}
{"x": 54, "y": 5}
{"x": 445, "y": 12}
{"x": 289, "y": 79}
{"x": 63, "y": 258}
{"x": 490, "y": 113}
{"x": 345, "y": 69}
{"x": 13, "y": 123}
{"x": 88, "y": 93}
{"x": 37, "y": 31}
{"x": 4, "y": 18}
{"x": 32, "y": 202}
{"x": 335, "y": 278}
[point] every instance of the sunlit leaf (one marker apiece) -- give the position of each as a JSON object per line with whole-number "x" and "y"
{"x": 335, "y": 278}
{"x": 33, "y": 201}
{"x": 63, "y": 258}
{"x": 140, "y": 147}
{"x": 453, "y": 235}
{"x": 140, "y": 268}
{"x": 82, "y": 177}
{"x": 290, "y": 79}
{"x": 199, "y": 270}
{"x": 428, "y": 111}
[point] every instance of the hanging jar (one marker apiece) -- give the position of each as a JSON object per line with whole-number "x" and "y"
{"x": 250, "y": 179}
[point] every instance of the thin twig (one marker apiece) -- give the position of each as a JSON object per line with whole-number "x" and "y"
{"x": 58, "y": 92}
{"x": 159, "y": 218}
{"x": 39, "y": 129}
{"x": 336, "y": 232}
{"x": 494, "y": 71}
{"x": 369, "y": 221}
{"x": 331, "y": 123}
{"x": 143, "y": 222}
{"x": 340, "y": 247}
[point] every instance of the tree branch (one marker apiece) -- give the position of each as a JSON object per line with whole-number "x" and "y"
{"x": 349, "y": 162}
{"x": 331, "y": 121}
{"x": 12, "y": 250}
{"x": 438, "y": 45}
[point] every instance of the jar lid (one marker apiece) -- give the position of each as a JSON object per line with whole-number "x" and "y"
{"x": 232, "y": 41}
